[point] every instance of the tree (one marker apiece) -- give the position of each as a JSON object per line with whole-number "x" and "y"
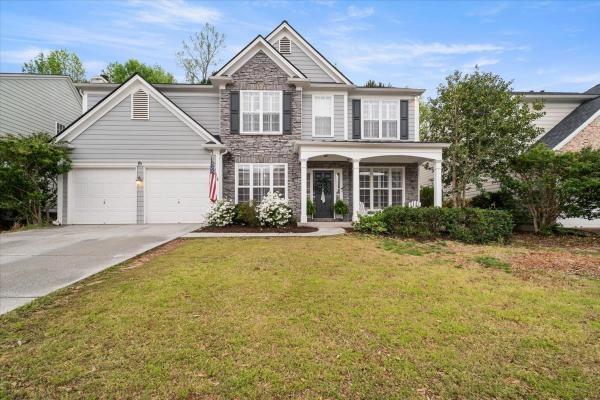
{"x": 485, "y": 123}
{"x": 551, "y": 184}
{"x": 372, "y": 84}
{"x": 200, "y": 54}
{"x": 29, "y": 167}
{"x": 58, "y": 62}
{"x": 119, "y": 73}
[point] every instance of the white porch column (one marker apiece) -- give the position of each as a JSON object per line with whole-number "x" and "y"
{"x": 437, "y": 183}
{"x": 303, "y": 192}
{"x": 355, "y": 189}
{"x": 219, "y": 170}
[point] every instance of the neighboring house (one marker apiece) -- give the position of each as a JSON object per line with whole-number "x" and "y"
{"x": 278, "y": 116}
{"x": 571, "y": 121}
{"x": 37, "y": 103}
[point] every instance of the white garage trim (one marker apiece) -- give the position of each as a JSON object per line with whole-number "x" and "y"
{"x": 159, "y": 166}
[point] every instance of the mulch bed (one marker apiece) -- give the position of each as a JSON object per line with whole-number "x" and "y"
{"x": 256, "y": 229}
{"x": 591, "y": 241}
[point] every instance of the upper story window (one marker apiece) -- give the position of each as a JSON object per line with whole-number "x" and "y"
{"x": 261, "y": 111}
{"x": 322, "y": 115}
{"x": 140, "y": 105}
{"x": 381, "y": 119}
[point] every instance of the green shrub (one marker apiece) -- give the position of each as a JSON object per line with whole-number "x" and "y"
{"x": 371, "y": 223}
{"x": 502, "y": 200}
{"x": 245, "y": 214}
{"x": 310, "y": 207}
{"x": 426, "y": 196}
{"x": 469, "y": 225}
{"x": 340, "y": 207}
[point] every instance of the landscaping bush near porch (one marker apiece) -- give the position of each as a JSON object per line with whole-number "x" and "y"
{"x": 469, "y": 225}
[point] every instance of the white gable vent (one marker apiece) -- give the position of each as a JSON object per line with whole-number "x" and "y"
{"x": 140, "y": 107}
{"x": 285, "y": 46}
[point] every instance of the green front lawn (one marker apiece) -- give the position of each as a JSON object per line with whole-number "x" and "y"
{"x": 335, "y": 317}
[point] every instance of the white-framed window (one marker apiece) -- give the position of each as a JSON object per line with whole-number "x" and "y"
{"x": 380, "y": 119}
{"x": 322, "y": 111}
{"x": 254, "y": 181}
{"x": 261, "y": 111}
{"x": 381, "y": 187}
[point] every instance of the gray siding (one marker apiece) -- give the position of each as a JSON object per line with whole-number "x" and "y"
{"x": 203, "y": 108}
{"x": 555, "y": 112}
{"x": 162, "y": 138}
{"x": 31, "y": 104}
{"x": 304, "y": 63}
{"x": 338, "y": 117}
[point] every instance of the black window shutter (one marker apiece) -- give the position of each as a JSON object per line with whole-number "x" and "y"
{"x": 356, "y": 119}
{"x": 404, "y": 119}
{"x": 234, "y": 112}
{"x": 287, "y": 113}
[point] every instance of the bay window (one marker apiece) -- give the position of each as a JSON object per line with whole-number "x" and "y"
{"x": 322, "y": 111}
{"x": 254, "y": 181}
{"x": 380, "y": 119}
{"x": 381, "y": 187}
{"x": 261, "y": 111}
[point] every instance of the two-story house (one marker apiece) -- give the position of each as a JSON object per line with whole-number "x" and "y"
{"x": 277, "y": 117}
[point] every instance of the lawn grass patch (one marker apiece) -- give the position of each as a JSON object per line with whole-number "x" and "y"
{"x": 413, "y": 248}
{"x": 331, "y": 317}
{"x": 493, "y": 262}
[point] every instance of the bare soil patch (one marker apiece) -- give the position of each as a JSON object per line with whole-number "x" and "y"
{"x": 256, "y": 229}
{"x": 566, "y": 262}
{"x": 572, "y": 242}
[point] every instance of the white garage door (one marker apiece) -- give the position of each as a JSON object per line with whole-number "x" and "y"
{"x": 102, "y": 196}
{"x": 176, "y": 195}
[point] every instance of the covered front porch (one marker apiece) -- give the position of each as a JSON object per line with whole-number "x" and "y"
{"x": 366, "y": 176}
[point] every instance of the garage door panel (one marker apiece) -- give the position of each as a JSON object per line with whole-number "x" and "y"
{"x": 102, "y": 196}
{"x": 176, "y": 195}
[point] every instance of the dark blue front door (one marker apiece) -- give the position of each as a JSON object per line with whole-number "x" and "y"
{"x": 323, "y": 193}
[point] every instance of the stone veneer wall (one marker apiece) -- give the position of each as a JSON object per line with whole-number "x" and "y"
{"x": 261, "y": 73}
{"x": 588, "y": 137}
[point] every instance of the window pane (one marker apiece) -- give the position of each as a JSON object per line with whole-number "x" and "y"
{"x": 271, "y": 102}
{"x": 270, "y": 122}
{"x": 365, "y": 179}
{"x": 262, "y": 175}
{"x": 396, "y": 197}
{"x": 278, "y": 175}
{"x": 244, "y": 176}
{"x": 323, "y": 126}
{"x": 371, "y": 129}
{"x": 365, "y": 197}
{"x": 397, "y": 178}
{"x": 259, "y": 193}
{"x": 280, "y": 190}
{"x": 243, "y": 195}
{"x": 380, "y": 198}
{"x": 389, "y": 129}
{"x": 380, "y": 178}
{"x": 322, "y": 106}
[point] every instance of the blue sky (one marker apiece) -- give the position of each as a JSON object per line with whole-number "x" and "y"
{"x": 540, "y": 45}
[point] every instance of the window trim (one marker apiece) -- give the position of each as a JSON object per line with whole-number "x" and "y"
{"x": 389, "y": 189}
{"x": 251, "y": 183}
{"x": 380, "y": 101}
{"x": 331, "y": 111}
{"x": 261, "y": 113}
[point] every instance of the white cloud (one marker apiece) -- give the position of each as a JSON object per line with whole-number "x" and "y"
{"x": 489, "y": 11}
{"x": 481, "y": 62}
{"x": 593, "y": 77}
{"x": 353, "y": 12}
{"x": 173, "y": 13}
{"x": 21, "y": 55}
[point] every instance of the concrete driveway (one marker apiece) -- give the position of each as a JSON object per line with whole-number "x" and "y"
{"x": 37, "y": 262}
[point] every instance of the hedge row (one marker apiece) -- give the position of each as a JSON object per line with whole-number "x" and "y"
{"x": 469, "y": 225}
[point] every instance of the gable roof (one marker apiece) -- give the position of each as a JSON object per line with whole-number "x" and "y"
{"x": 572, "y": 124}
{"x": 131, "y": 85}
{"x": 313, "y": 53}
{"x": 258, "y": 44}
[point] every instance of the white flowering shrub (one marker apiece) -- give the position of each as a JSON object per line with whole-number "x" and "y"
{"x": 221, "y": 213}
{"x": 274, "y": 210}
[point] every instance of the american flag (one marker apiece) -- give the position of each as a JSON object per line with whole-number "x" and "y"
{"x": 212, "y": 182}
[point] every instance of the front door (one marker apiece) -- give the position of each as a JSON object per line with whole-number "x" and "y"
{"x": 323, "y": 193}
